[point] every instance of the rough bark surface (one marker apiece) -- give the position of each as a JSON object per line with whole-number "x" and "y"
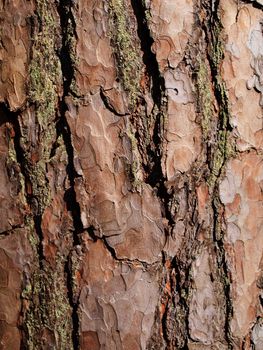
{"x": 131, "y": 174}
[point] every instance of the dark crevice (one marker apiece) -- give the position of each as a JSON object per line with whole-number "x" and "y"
{"x": 21, "y": 157}
{"x": 164, "y": 326}
{"x": 110, "y": 249}
{"x": 37, "y": 221}
{"x": 163, "y": 194}
{"x": 174, "y": 322}
{"x": 254, "y": 3}
{"x": 74, "y": 208}
{"x": 183, "y": 288}
{"x": 62, "y": 126}
{"x": 9, "y": 231}
{"x": 54, "y": 148}
{"x": 109, "y": 106}
{"x": 153, "y": 169}
{"x": 212, "y": 29}
{"x": 68, "y": 30}
{"x": 227, "y": 292}
{"x": 222, "y": 266}
{"x": 92, "y": 233}
{"x": 73, "y": 302}
{"x": 31, "y": 199}
{"x": 157, "y": 179}
{"x": 149, "y": 58}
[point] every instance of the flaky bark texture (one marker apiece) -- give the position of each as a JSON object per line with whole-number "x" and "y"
{"x": 131, "y": 174}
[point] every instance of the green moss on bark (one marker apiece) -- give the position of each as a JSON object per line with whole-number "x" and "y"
{"x": 205, "y": 97}
{"x": 48, "y": 319}
{"x": 44, "y": 83}
{"x": 12, "y": 162}
{"x": 45, "y": 70}
{"x": 126, "y": 50}
{"x": 224, "y": 145}
{"x": 134, "y": 168}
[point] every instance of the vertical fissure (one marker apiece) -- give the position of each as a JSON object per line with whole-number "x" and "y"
{"x": 149, "y": 57}
{"x": 155, "y": 176}
{"x": 68, "y": 32}
{"x": 255, "y": 3}
{"x": 221, "y": 153}
{"x": 182, "y": 262}
{"x": 174, "y": 320}
{"x": 22, "y": 160}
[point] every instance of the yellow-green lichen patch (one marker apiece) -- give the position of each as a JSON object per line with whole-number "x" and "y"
{"x": 48, "y": 321}
{"x": 40, "y": 188}
{"x": 17, "y": 176}
{"x": 71, "y": 43}
{"x": 45, "y": 70}
{"x": 224, "y": 146}
{"x": 75, "y": 261}
{"x": 217, "y": 46}
{"x": 205, "y": 97}
{"x": 70, "y": 46}
{"x": 225, "y": 149}
{"x": 44, "y": 85}
{"x": 134, "y": 169}
{"x": 49, "y": 311}
{"x": 126, "y": 49}
{"x": 32, "y": 236}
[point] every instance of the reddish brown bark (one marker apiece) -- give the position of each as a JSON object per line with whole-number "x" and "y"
{"x": 131, "y": 174}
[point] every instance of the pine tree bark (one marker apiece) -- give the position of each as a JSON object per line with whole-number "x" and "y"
{"x": 131, "y": 174}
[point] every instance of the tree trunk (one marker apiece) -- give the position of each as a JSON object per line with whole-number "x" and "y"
{"x": 131, "y": 174}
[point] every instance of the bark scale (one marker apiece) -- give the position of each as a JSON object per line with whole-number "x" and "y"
{"x": 131, "y": 177}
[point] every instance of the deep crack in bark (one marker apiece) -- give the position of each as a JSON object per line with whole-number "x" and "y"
{"x": 212, "y": 32}
{"x": 149, "y": 58}
{"x": 254, "y": 3}
{"x": 157, "y": 179}
{"x": 91, "y": 231}
{"x": 12, "y": 118}
{"x": 155, "y": 176}
{"x": 109, "y": 106}
{"x": 67, "y": 66}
